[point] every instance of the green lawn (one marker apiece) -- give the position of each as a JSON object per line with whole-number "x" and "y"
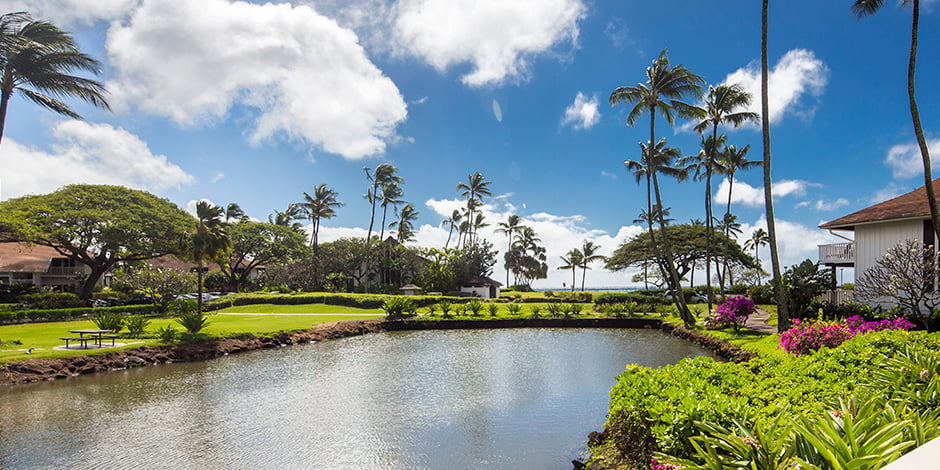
{"x": 306, "y": 308}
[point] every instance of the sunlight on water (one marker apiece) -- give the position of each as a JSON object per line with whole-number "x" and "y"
{"x": 523, "y": 398}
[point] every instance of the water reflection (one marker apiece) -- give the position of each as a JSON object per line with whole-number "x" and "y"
{"x": 522, "y": 398}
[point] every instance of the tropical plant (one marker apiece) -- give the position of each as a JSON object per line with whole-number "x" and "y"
{"x": 255, "y": 245}
{"x": 535, "y": 310}
{"x": 511, "y": 226}
{"x": 287, "y": 218}
{"x": 167, "y": 334}
{"x": 783, "y": 312}
{"x": 398, "y": 306}
{"x": 319, "y": 206}
{"x": 474, "y": 306}
{"x": 391, "y": 194}
{"x": 108, "y": 320}
{"x": 572, "y": 260}
{"x": 493, "y": 309}
{"x": 900, "y": 275}
{"x": 384, "y": 175}
{"x": 758, "y": 239}
{"x": 663, "y": 91}
{"x": 136, "y": 325}
{"x": 589, "y": 255}
{"x": 514, "y": 309}
{"x": 863, "y": 8}
{"x": 234, "y": 212}
{"x": 554, "y": 309}
{"x": 193, "y": 321}
{"x": 452, "y": 222}
{"x": 474, "y": 189}
{"x": 405, "y": 223}
{"x": 208, "y": 241}
{"x": 526, "y": 259}
{"x": 446, "y": 307}
{"x": 38, "y": 55}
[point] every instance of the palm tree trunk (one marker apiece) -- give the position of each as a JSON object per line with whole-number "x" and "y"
{"x": 316, "y": 232}
{"x": 508, "y": 249}
{"x": 199, "y": 287}
{"x": 783, "y": 314}
{"x": 915, "y": 117}
{"x": 4, "y": 101}
{"x": 679, "y": 298}
{"x": 382, "y": 230}
{"x": 728, "y": 227}
{"x": 573, "y": 281}
{"x": 583, "y": 275}
{"x": 372, "y": 219}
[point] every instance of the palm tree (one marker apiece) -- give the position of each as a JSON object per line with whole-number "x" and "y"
{"x": 39, "y": 55}
{"x": 758, "y": 238}
{"x": 863, "y": 8}
{"x": 783, "y": 314}
{"x": 729, "y": 225}
{"x": 588, "y": 255}
{"x": 720, "y": 107}
{"x": 391, "y": 191}
{"x": 663, "y": 91}
{"x": 317, "y": 207}
{"x": 474, "y": 189}
{"x": 452, "y": 221}
{"x": 512, "y": 225}
{"x": 733, "y": 160}
{"x": 405, "y": 223}
{"x": 234, "y": 212}
{"x": 573, "y": 260}
{"x": 208, "y": 242}
{"x": 384, "y": 174}
{"x": 287, "y": 218}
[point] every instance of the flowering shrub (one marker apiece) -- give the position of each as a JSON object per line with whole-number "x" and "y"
{"x": 805, "y": 337}
{"x": 733, "y": 312}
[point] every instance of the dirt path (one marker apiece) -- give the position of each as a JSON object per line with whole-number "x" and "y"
{"x": 758, "y": 322}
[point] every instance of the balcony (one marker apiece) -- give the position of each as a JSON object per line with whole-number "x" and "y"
{"x": 63, "y": 270}
{"x": 837, "y": 254}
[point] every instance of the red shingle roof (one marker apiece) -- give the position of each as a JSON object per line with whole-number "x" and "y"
{"x": 912, "y": 205}
{"x": 23, "y": 258}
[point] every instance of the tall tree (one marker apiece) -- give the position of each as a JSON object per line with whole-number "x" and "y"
{"x": 452, "y": 222}
{"x": 234, "y": 212}
{"x": 287, "y": 217}
{"x": 862, "y": 8}
{"x": 724, "y": 104}
{"x": 589, "y": 255}
{"x": 317, "y": 207}
{"x": 383, "y": 175}
{"x": 38, "y": 55}
{"x": 391, "y": 194}
{"x": 572, "y": 261}
{"x": 734, "y": 159}
{"x": 474, "y": 189}
{"x": 208, "y": 241}
{"x": 405, "y": 223}
{"x": 665, "y": 87}
{"x": 758, "y": 239}
{"x": 97, "y": 225}
{"x": 511, "y": 226}
{"x": 783, "y": 313}
{"x": 257, "y": 244}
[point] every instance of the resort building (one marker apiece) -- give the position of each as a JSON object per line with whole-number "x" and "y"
{"x": 37, "y": 265}
{"x": 481, "y": 286}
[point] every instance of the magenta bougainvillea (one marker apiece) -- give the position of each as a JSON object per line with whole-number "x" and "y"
{"x": 732, "y": 312}
{"x": 805, "y": 337}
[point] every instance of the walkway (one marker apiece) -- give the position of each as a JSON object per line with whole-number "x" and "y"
{"x": 758, "y": 322}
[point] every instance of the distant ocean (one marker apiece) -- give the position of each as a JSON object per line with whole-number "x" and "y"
{"x": 589, "y": 289}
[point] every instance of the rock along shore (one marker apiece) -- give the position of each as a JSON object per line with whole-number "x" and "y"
{"x": 36, "y": 370}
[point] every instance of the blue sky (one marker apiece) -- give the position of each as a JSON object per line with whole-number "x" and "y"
{"x": 254, "y": 103}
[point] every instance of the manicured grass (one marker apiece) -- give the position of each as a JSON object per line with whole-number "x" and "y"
{"x": 306, "y": 308}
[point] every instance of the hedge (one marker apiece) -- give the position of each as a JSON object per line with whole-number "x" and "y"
{"x": 345, "y": 300}
{"x": 61, "y": 314}
{"x": 626, "y": 297}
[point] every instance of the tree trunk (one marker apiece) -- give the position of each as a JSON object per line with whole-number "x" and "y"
{"x": 915, "y": 118}
{"x": 708, "y": 219}
{"x": 4, "y": 101}
{"x": 583, "y": 275}
{"x": 199, "y": 287}
{"x": 783, "y": 315}
{"x": 88, "y": 285}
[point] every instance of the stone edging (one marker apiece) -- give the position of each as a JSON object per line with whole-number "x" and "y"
{"x": 36, "y": 370}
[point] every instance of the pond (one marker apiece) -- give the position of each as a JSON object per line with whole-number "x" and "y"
{"x": 511, "y": 398}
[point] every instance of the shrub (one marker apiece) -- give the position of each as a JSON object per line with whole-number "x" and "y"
{"x": 109, "y": 320}
{"x": 19, "y": 316}
{"x": 193, "y": 321}
{"x": 535, "y": 310}
{"x": 554, "y": 310}
{"x": 514, "y": 309}
{"x": 732, "y": 312}
{"x": 474, "y": 306}
{"x": 446, "y": 307}
{"x": 806, "y": 337}
{"x": 761, "y": 294}
{"x": 612, "y": 310}
{"x": 398, "y": 306}
{"x": 738, "y": 289}
{"x": 50, "y": 300}
{"x": 493, "y": 308}
{"x": 167, "y": 334}
{"x": 431, "y": 309}
{"x": 830, "y": 311}
{"x": 618, "y": 298}
{"x": 136, "y": 325}
{"x": 575, "y": 309}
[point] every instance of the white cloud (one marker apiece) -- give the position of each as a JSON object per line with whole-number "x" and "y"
{"x": 905, "y": 160}
{"x": 798, "y": 72}
{"x": 298, "y": 73}
{"x": 822, "y": 205}
{"x": 83, "y": 152}
{"x": 497, "y": 37}
{"x": 891, "y": 191}
{"x": 747, "y": 195}
{"x": 218, "y": 177}
{"x": 191, "y": 205}
{"x": 608, "y": 174}
{"x": 583, "y": 113}
{"x": 67, "y": 13}
{"x": 795, "y": 242}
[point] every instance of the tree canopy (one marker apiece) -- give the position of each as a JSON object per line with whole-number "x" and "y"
{"x": 255, "y": 244}
{"x": 688, "y": 242}
{"x": 97, "y": 225}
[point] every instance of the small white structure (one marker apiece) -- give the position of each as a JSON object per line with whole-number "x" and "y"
{"x": 481, "y": 286}
{"x": 410, "y": 289}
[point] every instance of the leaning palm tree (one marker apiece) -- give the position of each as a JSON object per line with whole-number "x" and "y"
{"x": 511, "y": 226}
{"x": 234, "y": 212}
{"x": 474, "y": 189}
{"x": 665, "y": 87}
{"x": 783, "y": 313}
{"x": 453, "y": 222}
{"x": 729, "y": 226}
{"x": 208, "y": 242}
{"x": 317, "y": 207}
{"x": 758, "y": 239}
{"x": 572, "y": 261}
{"x": 405, "y": 223}
{"x": 589, "y": 255}
{"x": 863, "y": 8}
{"x": 391, "y": 192}
{"x": 287, "y": 218}
{"x": 383, "y": 175}
{"x": 37, "y": 58}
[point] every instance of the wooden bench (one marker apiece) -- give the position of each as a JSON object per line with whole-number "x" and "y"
{"x": 82, "y": 340}
{"x": 101, "y": 337}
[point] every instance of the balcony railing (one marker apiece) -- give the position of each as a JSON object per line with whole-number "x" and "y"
{"x": 63, "y": 271}
{"x": 837, "y": 253}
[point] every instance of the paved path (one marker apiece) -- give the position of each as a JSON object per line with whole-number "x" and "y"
{"x": 758, "y": 322}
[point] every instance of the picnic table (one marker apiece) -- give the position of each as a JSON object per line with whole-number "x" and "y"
{"x": 95, "y": 336}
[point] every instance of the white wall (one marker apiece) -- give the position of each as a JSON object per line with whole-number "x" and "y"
{"x": 874, "y": 240}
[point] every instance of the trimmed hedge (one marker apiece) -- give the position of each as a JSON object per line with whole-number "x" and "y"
{"x": 345, "y": 300}
{"x": 627, "y": 297}
{"x": 61, "y": 314}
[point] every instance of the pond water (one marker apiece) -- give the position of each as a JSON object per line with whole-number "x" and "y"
{"x": 512, "y": 398}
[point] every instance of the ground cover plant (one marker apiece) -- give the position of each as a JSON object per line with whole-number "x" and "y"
{"x": 661, "y": 410}
{"x": 808, "y": 336}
